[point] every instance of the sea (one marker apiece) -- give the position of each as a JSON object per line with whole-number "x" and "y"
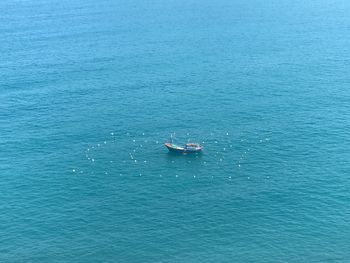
{"x": 91, "y": 90}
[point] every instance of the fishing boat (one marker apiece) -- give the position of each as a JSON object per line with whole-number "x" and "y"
{"x": 188, "y": 148}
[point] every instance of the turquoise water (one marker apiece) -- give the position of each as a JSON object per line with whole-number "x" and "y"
{"x": 90, "y": 91}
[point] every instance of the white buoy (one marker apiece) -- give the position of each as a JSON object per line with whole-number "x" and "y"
{"x": 73, "y": 170}
{"x": 92, "y": 160}
{"x": 112, "y": 133}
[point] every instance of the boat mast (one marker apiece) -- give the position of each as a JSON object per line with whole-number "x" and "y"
{"x": 172, "y": 138}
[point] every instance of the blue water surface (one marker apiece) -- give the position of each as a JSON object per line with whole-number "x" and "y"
{"x": 90, "y": 90}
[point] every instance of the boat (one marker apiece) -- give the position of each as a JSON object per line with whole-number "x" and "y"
{"x": 188, "y": 148}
